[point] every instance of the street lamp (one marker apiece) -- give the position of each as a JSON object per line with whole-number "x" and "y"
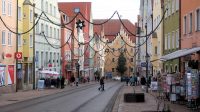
{"x": 147, "y": 57}
{"x": 27, "y": 2}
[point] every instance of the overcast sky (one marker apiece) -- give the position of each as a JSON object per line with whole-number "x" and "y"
{"x": 103, "y": 9}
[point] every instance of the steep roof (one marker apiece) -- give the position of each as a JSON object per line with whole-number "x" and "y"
{"x": 113, "y": 26}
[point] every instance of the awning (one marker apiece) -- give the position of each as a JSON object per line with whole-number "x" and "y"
{"x": 179, "y": 53}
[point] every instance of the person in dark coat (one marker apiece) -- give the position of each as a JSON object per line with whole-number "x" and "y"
{"x": 62, "y": 82}
{"x": 143, "y": 81}
{"x": 58, "y": 82}
{"x": 72, "y": 80}
{"x": 101, "y": 84}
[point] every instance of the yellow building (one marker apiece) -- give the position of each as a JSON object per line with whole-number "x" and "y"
{"x": 157, "y": 40}
{"x": 118, "y": 40}
{"x": 25, "y": 44}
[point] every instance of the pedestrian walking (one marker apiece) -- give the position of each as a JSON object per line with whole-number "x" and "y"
{"x": 58, "y": 82}
{"x": 77, "y": 80}
{"x": 127, "y": 80}
{"x": 101, "y": 84}
{"x": 143, "y": 82}
{"x": 62, "y": 82}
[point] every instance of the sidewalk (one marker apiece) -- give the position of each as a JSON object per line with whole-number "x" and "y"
{"x": 10, "y": 98}
{"x": 149, "y": 105}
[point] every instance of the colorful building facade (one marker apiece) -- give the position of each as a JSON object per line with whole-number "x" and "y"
{"x": 8, "y": 46}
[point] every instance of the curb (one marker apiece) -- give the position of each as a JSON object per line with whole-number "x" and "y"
{"x": 112, "y": 101}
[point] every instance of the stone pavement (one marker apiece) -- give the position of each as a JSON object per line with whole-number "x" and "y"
{"x": 150, "y": 104}
{"x": 10, "y": 98}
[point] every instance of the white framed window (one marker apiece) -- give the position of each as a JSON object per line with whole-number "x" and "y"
{"x": 51, "y": 9}
{"x": 10, "y": 8}
{"x": 58, "y": 33}
{"x": 19, "y": 40}
{"x": 9, "y": 38}
{"x": 54, "y": 10}
{"x": 42, "y": 27}
{"x": 177, "y": 39}
{"x": 31, "y": 15}
{"x": 197, "y": 20}
{"x": 54, "y": 30}
{"x": 3, "y": 7}
{"x": 185, "y": 25}
{"x": 47, "y": 30}
{"x": 31, "y": 40}
{"x": 177, "y": 5}
{"x": 37, "y": 28}
{"x": 3, "y": 39}
{"x": 42, "y": 5}
{"x": 169, "y": 41}
{"x": 19, "y": 13}
{"x": 173, "y": 40}
{"x": 46, "y": 6}
{"x": 190, "y": 23}
{"x": 173, "y": 6}
{"x": 166, "y": 42}
{"x": 58, "y": 59}
{"x": 51, "y": 32}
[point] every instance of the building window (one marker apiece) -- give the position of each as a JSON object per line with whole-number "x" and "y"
{"x": 42, "y": 27}
{"x": 77, "y": 10}
{"x": 51, "y": 32}
{"x": 19, "y": 40}
{"x": 58, "y": 59}
{"x": 37, "y": 28}
{"x": 54, "y": 8}
{"x": 177, "y": 39}
{"x": 168, "y": 41}
{"x": 42, "y": 59}
{"x": 113, "y": 60}
{"x": 3, "y": 41}
{"x": 165, "y": 41}
{"x": 131, "y": 59}
{"x": 31, "y": 41}
{"x": 198, "y": 20}
{"x": 19, "y": 13}
{"x": 10, "y": 8}
{"x": 46, "y": 6}
{"x": 173, "y": 40}
{"x": 113, "y": 69}
{"x": 173, "y": 6}
{"x": 51, "y": 9}
{"x": 31, "y": 15}
{"x": 190, "y": 23}
{"x": 54, "y": 32}
{"x": 9, "y": 38}
{"x": 177, "y": 4}
{"x": 58, "y": 34}
{"x": 185, "y": 25}
{"x": 156, "y": 50}
{"x": 47, "y": 31}
{"x": 159, "y": 48}
{"x": 47, "y": 58}
{"x": 37, "y": 59}
{"x": 3, "y": 7}
{"x": 42, "y": 5}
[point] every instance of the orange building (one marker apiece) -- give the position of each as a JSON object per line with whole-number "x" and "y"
{"x": 190, "y": 35}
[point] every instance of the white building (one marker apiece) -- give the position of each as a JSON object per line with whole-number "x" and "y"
{"x": 46, "y": 56}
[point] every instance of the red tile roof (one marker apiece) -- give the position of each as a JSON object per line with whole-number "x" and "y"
{"x": 112, "y": 28}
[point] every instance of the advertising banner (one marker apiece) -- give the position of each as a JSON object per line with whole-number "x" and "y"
{"x": 11, "y": 71}
{"x": 2, "y": 75}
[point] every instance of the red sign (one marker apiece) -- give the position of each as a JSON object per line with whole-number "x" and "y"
{"x": 11, "y": 71}
{"x": 18, "y": 55}
{"x": 50, "y": 65}
{"x": 8, "y": 55}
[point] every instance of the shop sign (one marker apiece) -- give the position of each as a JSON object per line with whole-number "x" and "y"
{"x": 8, "y": 55}
{"x": 18, "y": 55}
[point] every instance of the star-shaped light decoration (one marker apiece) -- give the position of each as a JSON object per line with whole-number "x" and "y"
{"x": 80, "y": 24}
